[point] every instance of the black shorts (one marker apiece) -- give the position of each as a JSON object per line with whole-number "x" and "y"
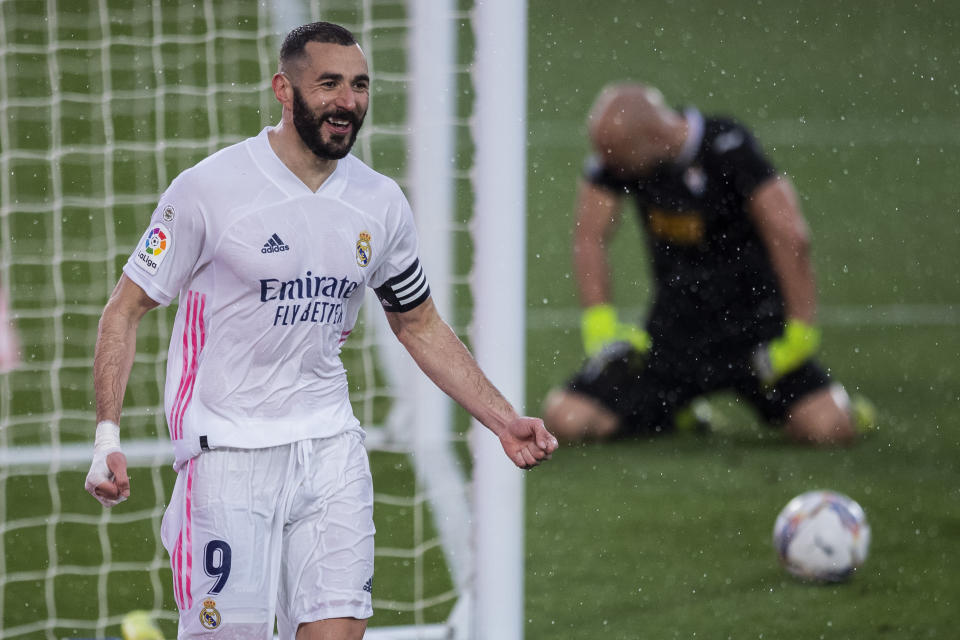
{"x": 646, "y": 390}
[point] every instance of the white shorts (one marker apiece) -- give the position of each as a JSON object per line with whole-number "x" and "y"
{"x": 285, "y": 531}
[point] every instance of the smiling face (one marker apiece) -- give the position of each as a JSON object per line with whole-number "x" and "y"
{"x": 330, "y": 95}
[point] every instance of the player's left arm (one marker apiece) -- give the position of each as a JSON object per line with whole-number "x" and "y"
{"x": 445, "y": 359}
{"x": 775, "y": 211}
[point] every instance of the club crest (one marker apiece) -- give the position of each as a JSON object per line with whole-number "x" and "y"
{"x": 364, "y": 249}
{"x": 209, "y": 616}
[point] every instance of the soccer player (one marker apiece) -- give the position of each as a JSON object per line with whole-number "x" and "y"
{"x": 269, "y": 245}
{"x": 735, "y": 301}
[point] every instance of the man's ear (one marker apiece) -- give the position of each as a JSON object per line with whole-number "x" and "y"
{"x": 282, "y": 88}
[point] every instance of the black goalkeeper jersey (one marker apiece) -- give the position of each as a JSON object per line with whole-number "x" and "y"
{"x": 714, "y": 281}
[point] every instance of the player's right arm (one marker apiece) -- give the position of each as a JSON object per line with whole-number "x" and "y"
{"x": 449, "y": 364}
{"x": 116, "y": 346}
{"x": 598, "y": 216}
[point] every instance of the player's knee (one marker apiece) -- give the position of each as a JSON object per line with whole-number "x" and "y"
{"x": 557, "y": 417}
{"x": 820, "y": 420}
{"x": 572, "y": 417}
{"x": 824, "y": 433}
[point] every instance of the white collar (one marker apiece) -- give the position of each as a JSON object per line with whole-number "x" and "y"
{"x": 287, "y": 180}
{"x": 694, "y": 136}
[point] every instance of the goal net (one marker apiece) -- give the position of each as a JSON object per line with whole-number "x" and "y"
{"x": 102, "y": 104}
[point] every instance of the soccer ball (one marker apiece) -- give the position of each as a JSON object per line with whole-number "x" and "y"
{"x": 822, "y": 536}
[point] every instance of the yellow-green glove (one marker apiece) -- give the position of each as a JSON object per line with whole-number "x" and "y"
{"x": 599, "y": 326}
{"x": 784, "y": 354}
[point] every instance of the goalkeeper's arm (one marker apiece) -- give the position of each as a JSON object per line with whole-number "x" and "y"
{"x": 775, "y": 211}
{"x": 598, "y": 215}
{"x": 107, "y": 480}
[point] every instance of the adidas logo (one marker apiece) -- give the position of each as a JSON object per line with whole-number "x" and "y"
{"x": 274, "y": 245}
{"x": 368, "y": 587}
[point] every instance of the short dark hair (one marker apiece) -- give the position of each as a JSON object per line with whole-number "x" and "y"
{"x": 296, "y": 41}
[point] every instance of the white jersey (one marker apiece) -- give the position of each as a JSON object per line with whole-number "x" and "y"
{"x": 270, "y": 277}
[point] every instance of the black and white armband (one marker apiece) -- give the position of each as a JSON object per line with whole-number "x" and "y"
{"x": 405, "y": 291}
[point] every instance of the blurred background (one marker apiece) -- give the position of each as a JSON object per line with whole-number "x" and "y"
{"x": 655, "y": 538}
{"x": 670, "y": 538}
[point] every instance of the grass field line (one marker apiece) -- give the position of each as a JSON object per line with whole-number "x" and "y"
{"x": 881, "y": 315}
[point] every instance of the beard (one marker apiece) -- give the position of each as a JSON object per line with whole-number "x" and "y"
{"x": 308, "y": 125}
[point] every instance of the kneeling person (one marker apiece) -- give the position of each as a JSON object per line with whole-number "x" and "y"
{"x": 734, "y": 303}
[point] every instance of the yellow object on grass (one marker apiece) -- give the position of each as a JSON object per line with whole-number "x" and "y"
{"x": 138, "y": 625}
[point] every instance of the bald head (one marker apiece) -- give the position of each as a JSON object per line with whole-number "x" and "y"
{"x": 633, "y": 130}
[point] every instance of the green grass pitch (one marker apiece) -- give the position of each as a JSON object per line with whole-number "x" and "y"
{"x": 670, "y": 538}
{"x": 658, "y": 538}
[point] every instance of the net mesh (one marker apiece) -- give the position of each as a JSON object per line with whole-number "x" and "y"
{"x": 102, "y": 103}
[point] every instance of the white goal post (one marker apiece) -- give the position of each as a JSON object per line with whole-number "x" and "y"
{"x": 499, "y": 223}
{"x": 470, "y": 513}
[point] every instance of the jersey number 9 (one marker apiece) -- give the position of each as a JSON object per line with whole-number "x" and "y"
{"x": 216, "y": 563}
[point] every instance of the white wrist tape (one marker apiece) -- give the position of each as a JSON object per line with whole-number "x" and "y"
{"x": 107, "y": 439}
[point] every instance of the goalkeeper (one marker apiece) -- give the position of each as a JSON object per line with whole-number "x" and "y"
{"x": 734, "y": 304}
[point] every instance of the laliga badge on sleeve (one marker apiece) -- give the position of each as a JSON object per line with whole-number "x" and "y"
{"x": 154, "y": 246}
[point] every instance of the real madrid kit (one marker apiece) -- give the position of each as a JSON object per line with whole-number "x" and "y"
{"x": 270, "y": 278}
{"x": 716, "y": 295}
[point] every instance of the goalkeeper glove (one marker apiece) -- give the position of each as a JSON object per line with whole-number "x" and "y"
{"x": 782, "y": 355}
{"x": 107, "y": 442}
{"x": 599, "y": 326}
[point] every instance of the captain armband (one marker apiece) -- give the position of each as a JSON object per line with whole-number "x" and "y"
{"x": 405, "y": 291}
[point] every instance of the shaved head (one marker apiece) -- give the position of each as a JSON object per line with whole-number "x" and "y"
{"x": 633, "y": 130}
